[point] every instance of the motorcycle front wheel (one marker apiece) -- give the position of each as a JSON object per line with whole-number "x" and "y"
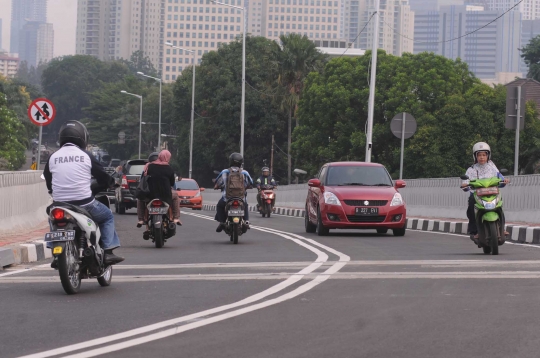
{"x": 268, "y": 209}
{"x": 494, "y": 237}
{"x": 69, "y": 269}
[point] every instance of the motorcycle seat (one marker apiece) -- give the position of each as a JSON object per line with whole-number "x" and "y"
{"x": 71, "y": 207}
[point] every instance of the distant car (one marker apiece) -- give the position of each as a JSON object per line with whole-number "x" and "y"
{"x": 111, "y": 193}
{"x": 125, "y": 193}
{"x": 355, "y": 195}
{"x": 189, "y": 194}
{"x": 114, "y": 163}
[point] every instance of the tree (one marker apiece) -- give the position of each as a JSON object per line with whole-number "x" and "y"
{"x": 68, "y": 82}
{"x": 138, "y": 62}
{"x": 296, "y": 58}
{"x": 17, "y": 100}
{"x": 531, "y": 55}
{"x": 218, "y": 98}
{"x": 12, "y": 155}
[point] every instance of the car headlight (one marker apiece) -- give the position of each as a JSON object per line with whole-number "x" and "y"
{"x": 331, "y": 198}
{"x": 198, "y": 194}
{"x": 397, "y": 200}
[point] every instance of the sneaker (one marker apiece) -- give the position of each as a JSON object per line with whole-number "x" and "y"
{"x": 219, "y": 228}
{"x": 112, "y": 259}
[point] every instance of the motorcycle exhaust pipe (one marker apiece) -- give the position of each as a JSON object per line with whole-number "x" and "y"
{"x": 172, "y": 226}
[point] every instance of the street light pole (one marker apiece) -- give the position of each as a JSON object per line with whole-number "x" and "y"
{"x": 243, "y": 103}
{"x": 140, "y": 118}
{"x": 159, "y": 120}
{"x": 192, "y": 106}
{"x": 371, "y": 102}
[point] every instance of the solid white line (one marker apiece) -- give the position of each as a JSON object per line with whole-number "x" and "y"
{"x": 22, "y": 270}
{"x": 464, "y": 236}
{"x": 321, "y": 258}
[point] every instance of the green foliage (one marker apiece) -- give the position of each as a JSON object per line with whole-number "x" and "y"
{"x": 531, "y": 56}
{"x": 452, "y": 108}
{"x": 31, "y": 76}
{"x": 138, "y": 62}
{"x": 12, "y": 131}
{"x": 68, "y": 82}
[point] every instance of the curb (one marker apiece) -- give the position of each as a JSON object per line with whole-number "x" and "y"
{"x": 24, "y": 253}
{"x": 516, "y": 233}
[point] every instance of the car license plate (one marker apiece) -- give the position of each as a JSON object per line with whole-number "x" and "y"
{"x": 236, "y": 212}
{"x": 60, "y": 236}
{"x": 367, "y": 211}
{"x": 185, "y": 202}
{"x": 153, "y": 211}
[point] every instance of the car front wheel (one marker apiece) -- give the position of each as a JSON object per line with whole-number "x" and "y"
{"x": 310, "y": 228}
{"x": 399, "y": 232}
{"x": 321, "y": 230}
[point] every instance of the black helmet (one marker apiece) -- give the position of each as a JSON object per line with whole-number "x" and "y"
{"x": 74, "y": 132}
{"x": 153, "y": 156}
{"x": 236, "y": 160}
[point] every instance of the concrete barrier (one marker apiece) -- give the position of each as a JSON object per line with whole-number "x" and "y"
{"x": 23, "y": 199}
{"x": 431, "y": 198}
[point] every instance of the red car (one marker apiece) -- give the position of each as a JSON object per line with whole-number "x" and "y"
{"x": 355, "y": 195}
{"x": 189, "y": 194}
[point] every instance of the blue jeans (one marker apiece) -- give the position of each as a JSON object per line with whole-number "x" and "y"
{"x": 104, "y": 218}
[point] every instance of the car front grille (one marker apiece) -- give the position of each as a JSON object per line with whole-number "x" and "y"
{"x": 366, "y": 219}
{"x": 361, "y": 202}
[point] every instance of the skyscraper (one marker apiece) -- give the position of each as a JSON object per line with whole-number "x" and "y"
{"x": 529, "y": 8}
{"x": 23, "y": 11}
{"x": 0, "y": 34}
{"x": 432, "y": 5}
{"x": 36, "y": 43}
{"x": 488, "y": 52}
{"x": 114, "y": 29}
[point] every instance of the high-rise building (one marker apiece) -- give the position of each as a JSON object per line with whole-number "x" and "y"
{"x": 0, "y": 34}
{"x": 529, "y": 8}
{"x": 36, "y": 43}
{"x": 23, "y": 11}
{"x": 198, "y": 25}
{"x": 114, "y": 29}
{"x": 488, "y": 52}
{"x": 529, "y": 30}
{"x": 256, "y": 16}
{"x": 8, "y": 65}
{"x": 432, "y": 5}
{"x": 396, "y": 26}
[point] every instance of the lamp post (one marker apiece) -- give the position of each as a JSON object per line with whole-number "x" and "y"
{"x": 140, "y": 118}
{"x": 159, "y": 120}
{"x": 371, "y": 101}
{"x": 192, "y": 106}
{"x": 242, "y": 109}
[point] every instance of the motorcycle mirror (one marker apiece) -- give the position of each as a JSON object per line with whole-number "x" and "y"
{"x": 464, "y": 177}
{"x": 504, "y": 171}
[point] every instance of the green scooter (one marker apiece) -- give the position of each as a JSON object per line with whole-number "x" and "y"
{"x": 488, "y": 213}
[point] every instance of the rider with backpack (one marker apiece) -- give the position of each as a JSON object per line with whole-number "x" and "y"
{"x": 233, "y": 183}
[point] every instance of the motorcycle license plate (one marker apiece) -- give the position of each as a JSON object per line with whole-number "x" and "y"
{"x": 185, "y": 202}
{"x": 60, "y": 236}
{"x": 153, "y": 211}
{"x": 236, "y": 212}
{"x": 367, "y": 211}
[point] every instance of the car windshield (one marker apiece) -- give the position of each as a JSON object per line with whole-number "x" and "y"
{"x": 136, "y": 169}
{"x": 187, "y": 185}
{"x": 358, "y": 175}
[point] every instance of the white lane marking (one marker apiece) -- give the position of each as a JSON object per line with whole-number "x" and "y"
{"x": 177, "y": 330}
{"x": 466, "y": 236}
{"x": 321, "y": 258}
{"x": 26, "y": 269}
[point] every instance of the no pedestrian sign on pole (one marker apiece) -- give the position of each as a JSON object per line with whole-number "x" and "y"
{"x": 41, "y": 112}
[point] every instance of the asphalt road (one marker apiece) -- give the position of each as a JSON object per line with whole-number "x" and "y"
{"x": 281, "y": 293}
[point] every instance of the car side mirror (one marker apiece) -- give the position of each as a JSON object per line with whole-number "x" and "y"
{"x": 504, "y": 171}
{"x": 400, "y": 184}
{"x": 314, "y": 183}
{"x": 464, "y": 177}
{"x": 202, "y": 189}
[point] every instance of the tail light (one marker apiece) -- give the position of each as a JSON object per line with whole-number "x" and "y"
{"x": 235, "y": 203}
{"x": 157, "y": 203}
{"x": 57, "y": 214}
{"x": 124, "y": 183}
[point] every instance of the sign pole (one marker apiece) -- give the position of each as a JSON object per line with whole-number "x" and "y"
{"x": 402, "y": 146}
{"x": 516, "y": 155}
{"x": 39, "y": 148}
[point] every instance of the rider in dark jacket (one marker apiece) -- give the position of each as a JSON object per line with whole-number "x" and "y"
{"x": 265, "y": 180}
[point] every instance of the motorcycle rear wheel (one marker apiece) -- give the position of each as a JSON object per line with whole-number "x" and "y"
{"x": 158, "y": 237}
{"x": 106, "y": 278}
{"x": 487, "y": 250}
{"x": 234, "y": 234}
{"x": 68, "y": 268}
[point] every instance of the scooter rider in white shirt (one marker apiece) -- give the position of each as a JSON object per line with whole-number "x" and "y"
{"x": 68, "y": 175}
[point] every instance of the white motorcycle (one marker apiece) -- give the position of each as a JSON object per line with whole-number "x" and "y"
{"x": 74, "y": 240}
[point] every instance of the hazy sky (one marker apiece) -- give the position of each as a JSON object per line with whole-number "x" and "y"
{"x": 61, "y": 13}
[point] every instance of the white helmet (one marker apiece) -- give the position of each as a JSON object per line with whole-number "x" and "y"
{"x": 481, "y": 147}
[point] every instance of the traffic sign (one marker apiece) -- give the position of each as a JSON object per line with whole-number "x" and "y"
{"x": 41, "y": 112}
{"x": 410, "y": 125}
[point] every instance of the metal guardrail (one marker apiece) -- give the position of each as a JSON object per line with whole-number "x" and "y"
{"x": 8, "y": 179}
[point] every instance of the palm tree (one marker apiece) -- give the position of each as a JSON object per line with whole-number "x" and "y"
{"x": 296, "y": 58}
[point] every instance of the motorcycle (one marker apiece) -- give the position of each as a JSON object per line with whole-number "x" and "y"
{"x": 235, "y": 225}
{"x": 74, "y": 241}
{"x": 489, "y": 213}
{"x": 268, "y": 199}
{"x": 160, "y": 225}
